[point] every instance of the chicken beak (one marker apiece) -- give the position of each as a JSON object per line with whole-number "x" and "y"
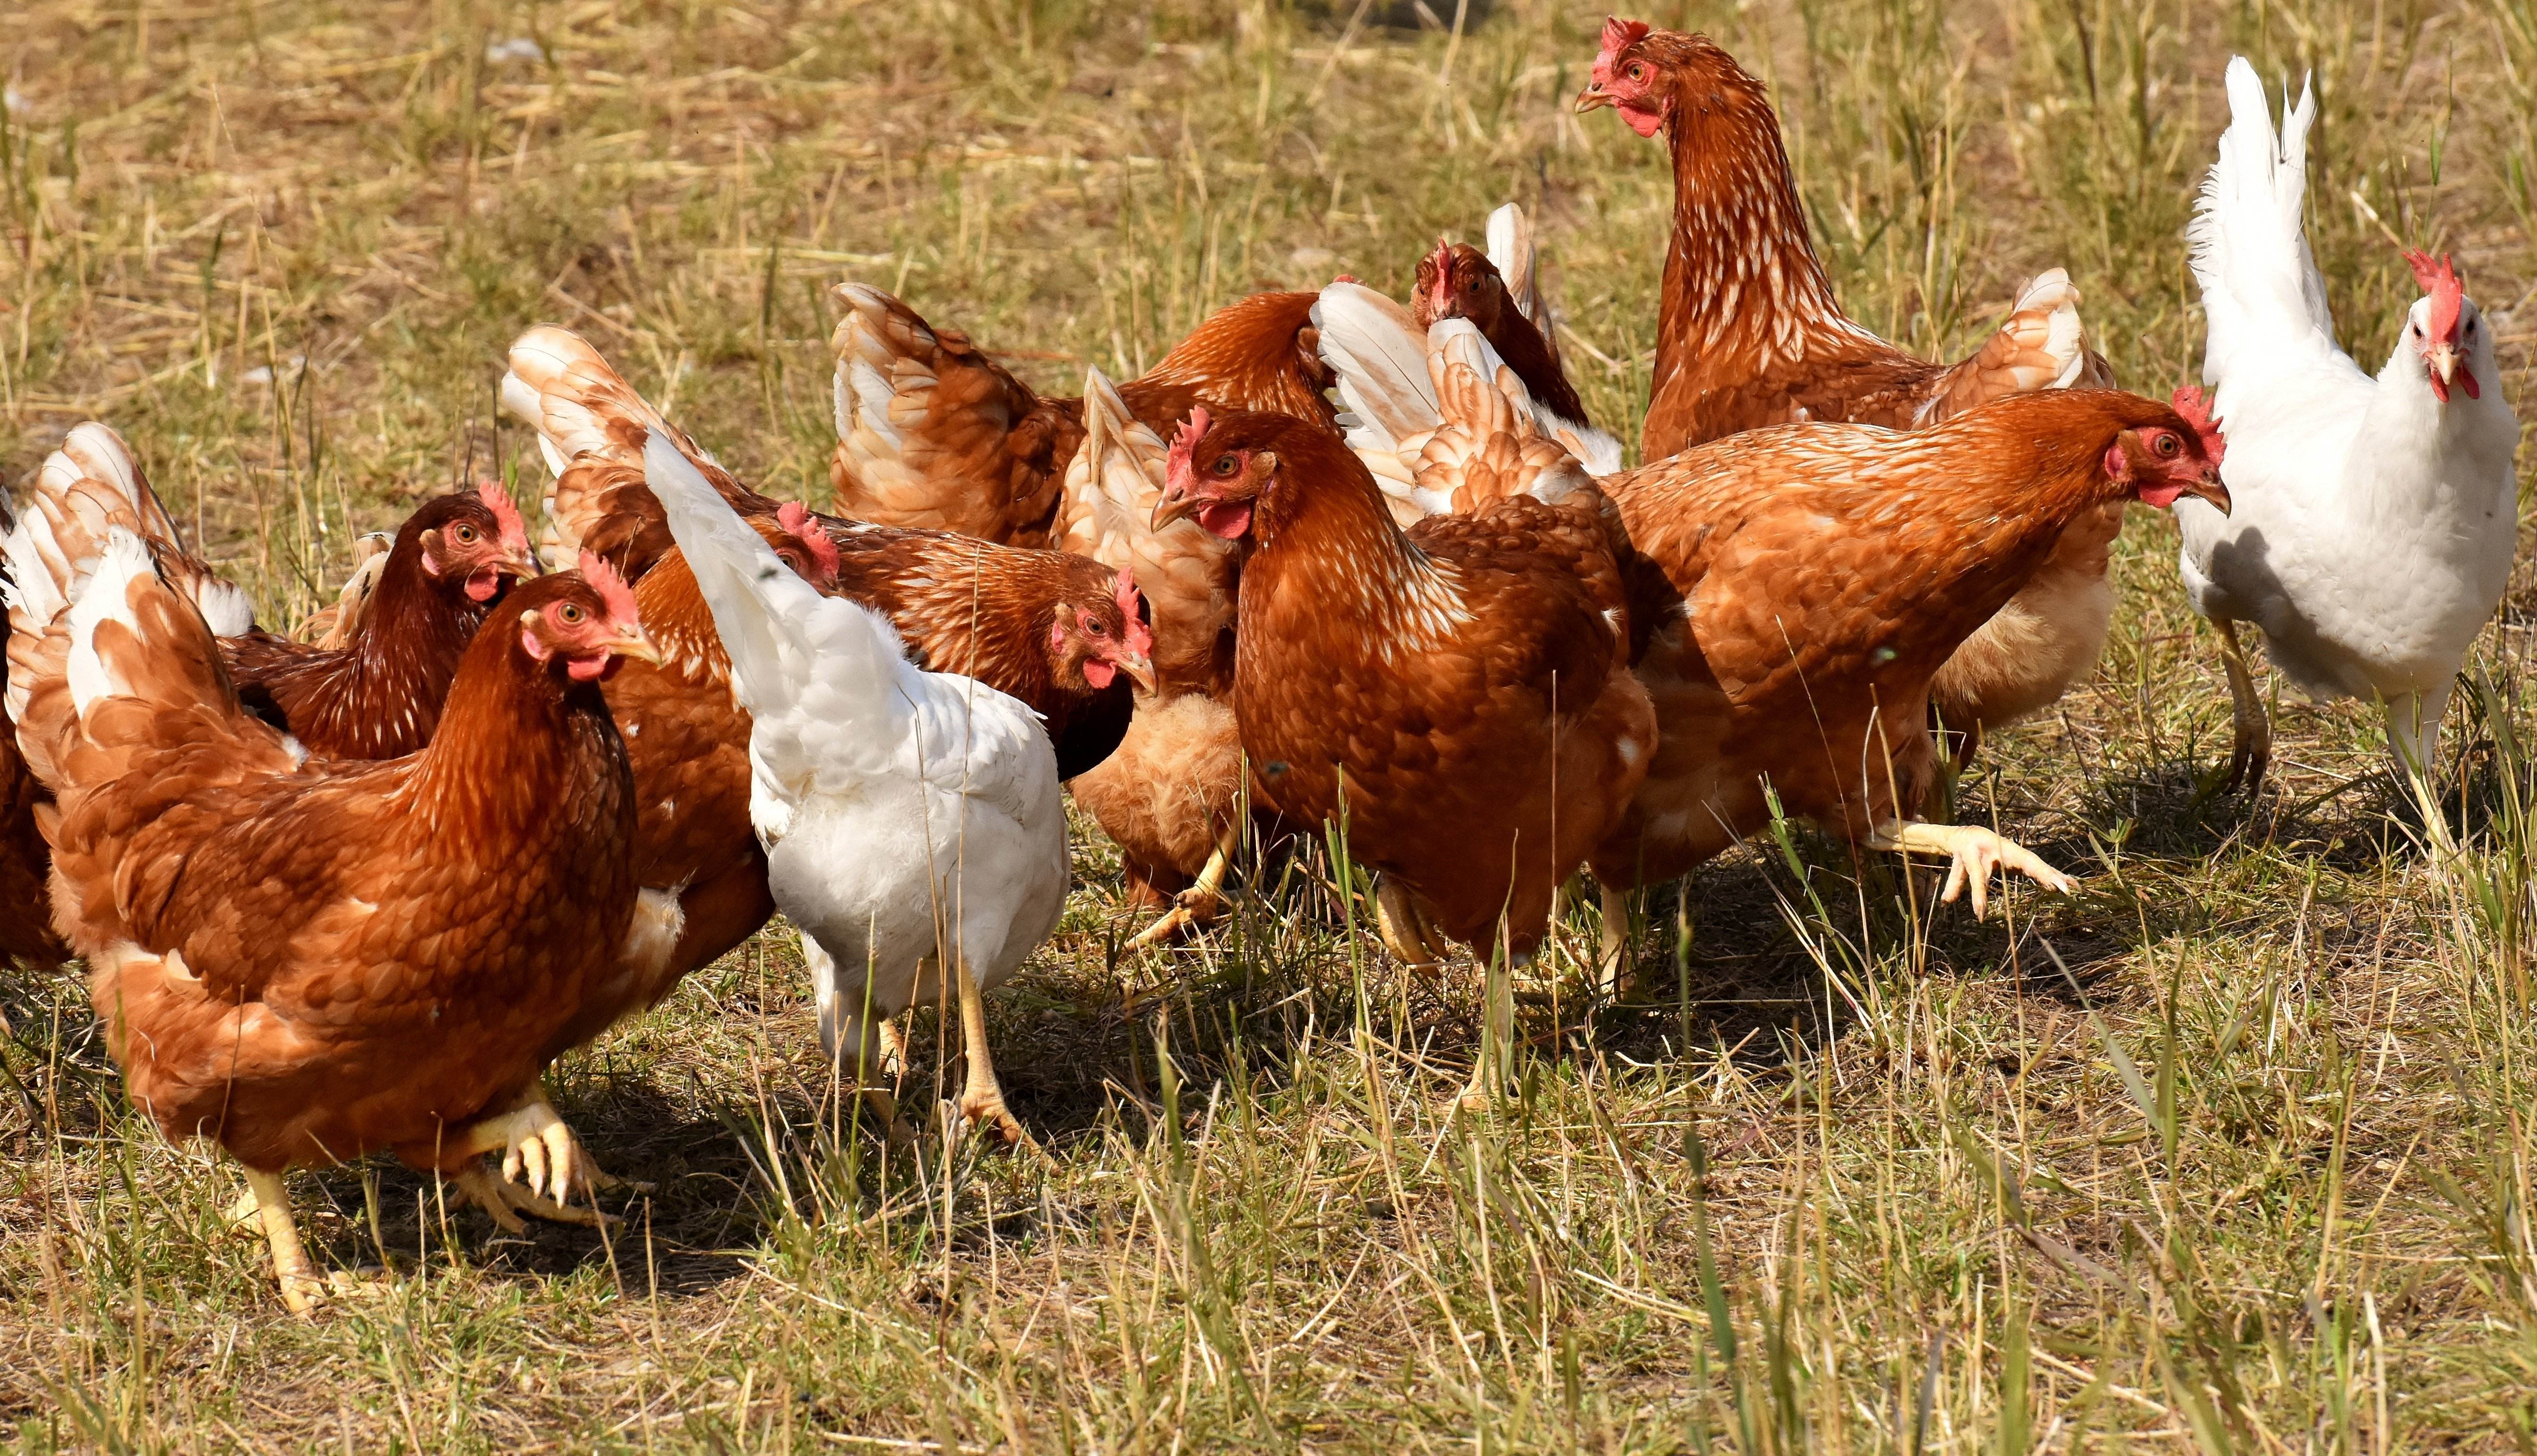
{"x": 2208, "y": 489}
{"x": 1593, "y": 98}
{"x": 1140, "y": 671}
{"x": 633, "y": 643}
{"x": 2443, "y": 359}
{"x": 1175, "y": 505}
{"x": 521, "y": 562}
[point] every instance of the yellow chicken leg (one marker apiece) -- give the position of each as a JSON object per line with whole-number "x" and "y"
{"x": 1975, "y": 852}
{"x": 982, "y": 1098}
{"x": 1616, "y": 941}
{"x": 1200, "y": 902}
{"x": 2251, "y": 734}
{"x": 304, "y": 1288}
{"x": 535, "y": 1141}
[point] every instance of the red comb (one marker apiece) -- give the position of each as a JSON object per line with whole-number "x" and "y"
{"x": 1185, "y": 445}
{"x": 795, "y": 517}
{"x": 613, "y": 595}
{"x": 2195, "y": 406}
{"x": 1441, "y": 291}
{"x": 2437, "y": 279}
{"x": 1619, "y": 35}
{"x": 506, "y": 516}
{"x": 1139, "y": 636}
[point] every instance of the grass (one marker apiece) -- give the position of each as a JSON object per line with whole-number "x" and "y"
{"x": 2230, "y": 1152}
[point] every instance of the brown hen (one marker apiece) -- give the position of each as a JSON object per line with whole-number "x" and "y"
{"x": 1749, "y": 334}
{"x": 1459, "y": 695}
{"x": 309, "y": 962}
{"x": 1826, "y": 572}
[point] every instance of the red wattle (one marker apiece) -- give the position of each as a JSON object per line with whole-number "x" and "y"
{"x": 1229, "y": 519}
{"x": 2161, "y": 495}
{"x": 1641, "y": 120}
{"x": 481, "y": 585}
{"x": 2466, "y": 377}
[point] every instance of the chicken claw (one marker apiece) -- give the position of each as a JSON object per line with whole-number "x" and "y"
{"x": 2251, "y": 730}
{"x": 505, "y": 1200}
{"x": 537, "y": 1142}
{"x": 1406, "y": 931}
{"x": 1975, "y": 853}
{"x": 1198, "y": 905}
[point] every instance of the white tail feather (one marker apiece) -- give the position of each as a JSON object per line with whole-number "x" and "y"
{"x": 2260, "y": 288}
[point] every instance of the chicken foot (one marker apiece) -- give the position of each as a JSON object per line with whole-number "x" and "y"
{"x": 1406, "y": 931}
{"x": 535, "y": 1141}
{"x": 1975, "y": 853}
{"x": 981, "y": 1096}
{"x": 1200, "y": 902}
{"x": 304, "y": 1288}
{"x": 2250, "y": 729}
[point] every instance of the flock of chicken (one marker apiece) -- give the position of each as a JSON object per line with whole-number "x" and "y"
{"x": 1334, "y": 560}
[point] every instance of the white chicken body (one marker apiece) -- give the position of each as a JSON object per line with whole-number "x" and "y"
{"x": 2374, "y": 523}
{"x": 910, "y": 818}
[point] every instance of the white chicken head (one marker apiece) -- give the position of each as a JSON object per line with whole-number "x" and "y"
{"x": 2446, "y": 330}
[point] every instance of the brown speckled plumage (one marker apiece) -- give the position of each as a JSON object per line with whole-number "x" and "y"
{"x": 1827, "y": 571}
{"x": 309, "y": 963}
{"x": 972, "y": 449}
{"x": 1750, "y": 334}
{"x": 1468, "y": 679}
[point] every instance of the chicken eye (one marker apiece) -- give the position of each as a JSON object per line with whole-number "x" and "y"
{"x": 1225, "y": 465}
{"x": 2166, "y": 445}
{"x": 466, "y": 535}
{"x": 570, "y": 614}
{"x": 1638, "y": 71}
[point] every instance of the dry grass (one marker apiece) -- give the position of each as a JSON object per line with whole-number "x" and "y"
{"x": 2231, "y": 1152}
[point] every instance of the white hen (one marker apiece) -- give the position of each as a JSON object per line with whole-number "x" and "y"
{"x": 911, "y": 818}
{"x": 2374, "y": 520}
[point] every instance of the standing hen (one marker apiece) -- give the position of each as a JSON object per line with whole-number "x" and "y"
{"x": 911, "y": 819}
{"x": 307, "y": 963}
{"x": 2376, "y": 518}
{"x": 1459, "y": 696}
{"x": 1825, "y": 572}
{"x": 1749, "y": 334}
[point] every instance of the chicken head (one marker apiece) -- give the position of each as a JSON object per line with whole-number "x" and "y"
{"x": 1628, "y": 81}
{"x": 2446, "y": 328}
{"x": 1458, "y": 282}
{"x": 1094, "y": 642}
{"x": 476, "y": 540}
{"x": 1225, "y": 491}
{"x": 2163, "y": 463}
{"x": 587, "y": 624}
{"x": 804, "y": 544}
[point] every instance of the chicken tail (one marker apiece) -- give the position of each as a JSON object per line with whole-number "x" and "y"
{"x": 583, "y": 409}
{"x": 95, "y": 609}
{"x": 2260, "y": 286}
{"x": 1387, "y": 403}
{"x": 333, "y": 626}
{"x": 88, "y": 486}
{"x": 931, "y": 433}
{"x": 2043, "y": 345}
{"x": 1511, "y": 250}
{"x": 1187, "y": 576}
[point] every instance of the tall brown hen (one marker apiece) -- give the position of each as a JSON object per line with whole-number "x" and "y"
{"x": 1749, "y": 334}
{"x": 309, "y": 962}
